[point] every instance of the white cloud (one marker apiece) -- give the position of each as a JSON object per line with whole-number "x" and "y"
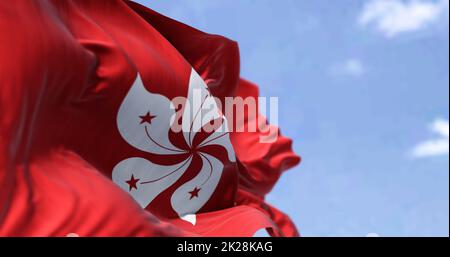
{"x": 393, "y": 17}
{"x": 351, "y": 67}
{"x": 435, "y": 147}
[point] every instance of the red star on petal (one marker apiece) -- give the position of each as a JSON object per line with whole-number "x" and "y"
{"x": 147, "y": 118}
{"x": 194, "y": 193}
{"x": 132, "y": 182}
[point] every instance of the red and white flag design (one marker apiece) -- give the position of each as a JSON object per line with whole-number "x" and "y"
{"x": 87, "y": 104}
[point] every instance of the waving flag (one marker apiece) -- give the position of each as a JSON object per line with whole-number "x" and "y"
{"x": 89, "y": 93}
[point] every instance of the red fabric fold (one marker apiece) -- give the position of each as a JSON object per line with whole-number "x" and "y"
{"x": 242, "y": 221}
{"x": 59, "y": 194}
{"x": 263, "y": 162}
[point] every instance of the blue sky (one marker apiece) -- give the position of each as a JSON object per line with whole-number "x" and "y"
{"x": 364, "y": 93}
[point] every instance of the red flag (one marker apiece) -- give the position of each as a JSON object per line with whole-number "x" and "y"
{"x": 89, "y": 92}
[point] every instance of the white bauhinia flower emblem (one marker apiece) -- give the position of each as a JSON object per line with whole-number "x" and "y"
{"x": 144, "y": 121}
